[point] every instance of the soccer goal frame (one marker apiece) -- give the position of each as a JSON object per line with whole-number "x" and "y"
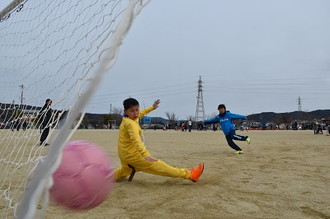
{"x": 56, "y": 54}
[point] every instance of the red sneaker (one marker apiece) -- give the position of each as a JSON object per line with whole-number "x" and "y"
{"x": 196, "y": 172}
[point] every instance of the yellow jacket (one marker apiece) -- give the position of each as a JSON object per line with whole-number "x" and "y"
{"x": 130, "y": 144}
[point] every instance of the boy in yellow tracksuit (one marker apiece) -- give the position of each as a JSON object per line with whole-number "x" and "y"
{"x": 131, "y": 149}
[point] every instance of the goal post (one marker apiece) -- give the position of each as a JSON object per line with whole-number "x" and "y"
{"x": 58, "y": 50}
{"x": 5, "y": 12}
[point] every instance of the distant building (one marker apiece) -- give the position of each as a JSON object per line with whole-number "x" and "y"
{"x": 146, "y": 120}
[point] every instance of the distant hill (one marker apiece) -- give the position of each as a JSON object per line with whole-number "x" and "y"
{"x": 289, "y": 117}
{"x": 100, "y": 120}
{"x": 97, "y": 120}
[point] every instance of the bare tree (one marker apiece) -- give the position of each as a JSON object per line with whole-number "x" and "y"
{"x": 191, "y": 118}
{"x": 107, "y": 118}
{"x": 172, "y": 119}
{"x": 117, "y": 110}
{"x": 212, "y": 115}
{"x": 171, "y": 116}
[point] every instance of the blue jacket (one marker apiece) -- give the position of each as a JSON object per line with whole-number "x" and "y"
{"x": 225, "y": 121}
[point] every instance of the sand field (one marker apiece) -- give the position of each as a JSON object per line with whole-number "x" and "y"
{"x": 282, "y": 174}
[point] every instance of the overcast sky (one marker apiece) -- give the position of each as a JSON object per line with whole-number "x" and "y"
{"x": 253, "y": 55}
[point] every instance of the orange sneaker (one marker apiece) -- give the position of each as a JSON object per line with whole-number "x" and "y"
{"x": 196, "y": 172}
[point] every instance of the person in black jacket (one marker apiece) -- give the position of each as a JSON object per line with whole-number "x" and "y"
{"x": 46, "y": 115}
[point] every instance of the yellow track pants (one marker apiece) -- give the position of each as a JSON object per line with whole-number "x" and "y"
{"x": 157, "y": 168}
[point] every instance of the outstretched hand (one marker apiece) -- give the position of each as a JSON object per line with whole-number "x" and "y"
{"x": 156, "y": 103}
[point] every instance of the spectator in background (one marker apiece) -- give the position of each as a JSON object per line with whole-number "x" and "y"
{"x": 45, "y": 116}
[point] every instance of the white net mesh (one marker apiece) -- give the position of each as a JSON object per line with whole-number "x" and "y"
{"x": 56, "y": 50}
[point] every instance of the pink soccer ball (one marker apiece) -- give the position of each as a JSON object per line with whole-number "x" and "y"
{"x": 84, "y": 178}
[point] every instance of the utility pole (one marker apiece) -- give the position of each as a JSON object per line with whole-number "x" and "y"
{"x": 200, "y": 112}
{"x": 22, "y": 97}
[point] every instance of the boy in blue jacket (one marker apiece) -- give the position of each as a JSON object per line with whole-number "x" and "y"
{"x": 228, "y": 128}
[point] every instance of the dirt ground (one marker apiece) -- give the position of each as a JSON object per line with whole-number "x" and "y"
{"x": 281, "y": 174}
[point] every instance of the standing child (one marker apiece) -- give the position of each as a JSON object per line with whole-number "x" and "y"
{"x": 228, "y": 128}
{"x": 189, "y": 125}
{"x": 133, "y": 153}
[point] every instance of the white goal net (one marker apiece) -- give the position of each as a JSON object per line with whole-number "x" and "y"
{"x": 57, "y": 50}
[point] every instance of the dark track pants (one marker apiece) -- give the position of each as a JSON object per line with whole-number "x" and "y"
{"x": 44, "y": 134}
{"x": 232, "y": 136}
